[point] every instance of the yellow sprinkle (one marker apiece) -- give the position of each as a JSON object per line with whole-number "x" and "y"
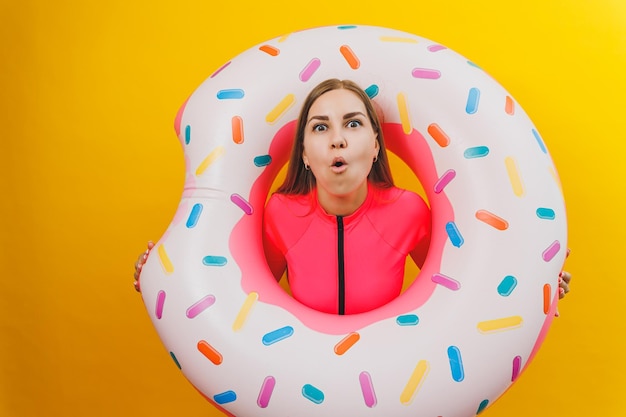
{"x": 215, "y": 153}
{"x": 397, "y": 39}
{"x": 403, "y": 108}
{"x": 514, "y": 177}
{"x": 415, "y": 381}
{"x": 245, "y": 310}
{"x": 280, "y": 108}
{"x": 506, "y": 323}
{"x": 165, "y": 260}
{"x": 284, "y": 37}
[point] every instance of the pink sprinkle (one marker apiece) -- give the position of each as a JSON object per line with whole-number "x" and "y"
{"x": 159, "y": 304}
{"x": 445, "y": 281}
{"x": 309, "y": 70}
{"x": 200, "y": 306}
{"x": 242, "y": 203}
{"x": 435, "y": 48}
{"x": 266, "y": 392}
{"x": 444, "y": 180}
{"x": 220, "y": 69}
{"x": 425, "y": 73}
{"x": 367, "y": 388}
{"x": 517, "y": 365}
{"x": 551, "y": 251}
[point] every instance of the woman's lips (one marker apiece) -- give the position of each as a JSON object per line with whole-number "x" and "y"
{"x": 338, "y": 165}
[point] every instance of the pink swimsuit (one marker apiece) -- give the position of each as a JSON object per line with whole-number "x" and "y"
{"x": 344, "y": 264}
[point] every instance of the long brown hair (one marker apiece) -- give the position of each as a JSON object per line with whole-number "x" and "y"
{"x": 299, "y": 180}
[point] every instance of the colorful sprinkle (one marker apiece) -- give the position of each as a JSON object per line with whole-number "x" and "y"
{"x": 225, "y": 397}
{"x": 456, "y": 363}
{"x": 215, "y": 154}
{"x": 446, "y": 281}
{"x": 547, "y": 291}
{"x": 175, "y": 360}
{"x": 407, "y": 320}
{"x": 509, "y": 106}
{"x": 472, "y": 101}
{"x": 237, "y": 129}
{"x": 472, "y": 64}
{"x": 372, "y": 91}
{"x": 280, "y": 108}
{"x": 160, "y": 302}
{"x": 244, "y": 311}
{"x": 403, "y": 108}
{"x": 438, "y": 134}
{"x": 187, "y": 134}
{"x": 350, "y": 57}
{"x": 242, "y": 203}
{"x": 444, "y": 180}
{"x": 476, "y": 152}
{"x": 492, "y": 220}
{"x": 436, "y": 48}
{"x": 507, "y": 285}
{"x": 262, "y": 160}
{"x": 277, "y": 335}
{"x": 481, "y": 407}
{"x": 270, "y": 50}
{"x": 426, "y": 74}
{"x": 551, "y": 251}
{"x": 309, "y": 69}
{"x": 192, "y": 220}
{"x": 546, "y": 213}
{"x": 265, "y": 394}
{"x": 210, "y": 352}
{"x": 220, "y": 69}
{"x": 505, "y": 323}
{"x": 399, "y": 39}
{"x": 542, "y": 146}
{"x": 414, "y": 383}
{"x": 313, "y": 394}
{"x": 200, "y": 305}
{"x": 168, "y": 268}
{"x": 454, "y": 234}
{"x": 230, "y": 94}
{"x": 367, "y": 388}
{"x": 514, "y": 177}
{"x": 214, "y": 260}
{"x": 346, "y": 343}
{"x": 517, "y": 367}
{"x": 345, "y": 27}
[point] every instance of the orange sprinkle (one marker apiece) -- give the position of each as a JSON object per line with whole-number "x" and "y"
{"x": 210, "y": 352}
{"x": 546, "y": 298}
{"x": 509, "y": 106}
{"x": 350, "y": 57}
{"x": 492, "y": 220}
{"x": 237, "y": 127}
{"x": 346, "y": 343}
{"x": 439, "y": 135}
{"x": 270, "y": 50}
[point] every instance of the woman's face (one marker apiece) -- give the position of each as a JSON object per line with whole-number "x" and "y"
{"x": 339, "y": 144}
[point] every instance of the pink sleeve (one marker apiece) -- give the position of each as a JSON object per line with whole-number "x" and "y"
{"x": 274, "y": 248}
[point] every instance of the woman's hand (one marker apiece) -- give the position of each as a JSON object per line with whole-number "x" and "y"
{"x": 564, "y": 280}
{"x": 141, "y": 260}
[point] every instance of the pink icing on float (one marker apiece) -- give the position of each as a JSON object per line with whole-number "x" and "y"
{"x": 473, "y": 318}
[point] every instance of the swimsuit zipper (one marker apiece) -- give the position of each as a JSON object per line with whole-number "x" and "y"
{"x": 340, "y": 267}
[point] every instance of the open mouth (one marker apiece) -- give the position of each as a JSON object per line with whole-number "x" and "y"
{"x": 338, "y": 162}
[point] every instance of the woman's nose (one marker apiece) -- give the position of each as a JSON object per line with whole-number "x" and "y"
{"x": 338, "y": 140}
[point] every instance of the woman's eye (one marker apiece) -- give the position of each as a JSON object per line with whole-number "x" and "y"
{"x": 319, "y": 128}
{"x": 354, "y": 123}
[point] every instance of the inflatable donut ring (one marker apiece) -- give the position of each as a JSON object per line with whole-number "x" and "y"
{"x": 472, "y": 320}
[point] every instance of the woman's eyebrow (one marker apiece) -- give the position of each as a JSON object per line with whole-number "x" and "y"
{"x": 353, "y": 114}
{"x": 325, "y": 118}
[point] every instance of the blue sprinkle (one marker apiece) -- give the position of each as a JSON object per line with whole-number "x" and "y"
{"x": 262, "y": 160}
{"x": 192, "y": 220}
{"x": 311, "y": 393}
{"x": 407, "y": 320}
{"x": 344, "y": 27}
{"x": 372, "y": 91}
{"x": 277, "y": 335}
{"x": 235, "y": 93}
{"x": 474, "y": 65}
{"x": 187, "y": 134}
{"x": 482, "y": 406}
{"x": 542, "y": 146}
{"x": 456, "y": 363}
{"x": 545, "y": 213}
{"x": 476, "y": 152}
{"x": 472, "y": 101}
{"x": 214, "y": 261}
{"x": 507, "y": 285}
{"x": 175, "y": 360}
{"x": 225, "y": 397}
{"x": 454, "y": 234}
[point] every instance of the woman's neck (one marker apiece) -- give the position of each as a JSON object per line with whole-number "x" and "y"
{"x": 342, "y": 205}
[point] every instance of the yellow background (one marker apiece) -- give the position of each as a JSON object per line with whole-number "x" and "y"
{"x": 90, "y": 169}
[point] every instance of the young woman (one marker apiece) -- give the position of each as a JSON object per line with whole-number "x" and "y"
{"x": 338, "y": 225}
